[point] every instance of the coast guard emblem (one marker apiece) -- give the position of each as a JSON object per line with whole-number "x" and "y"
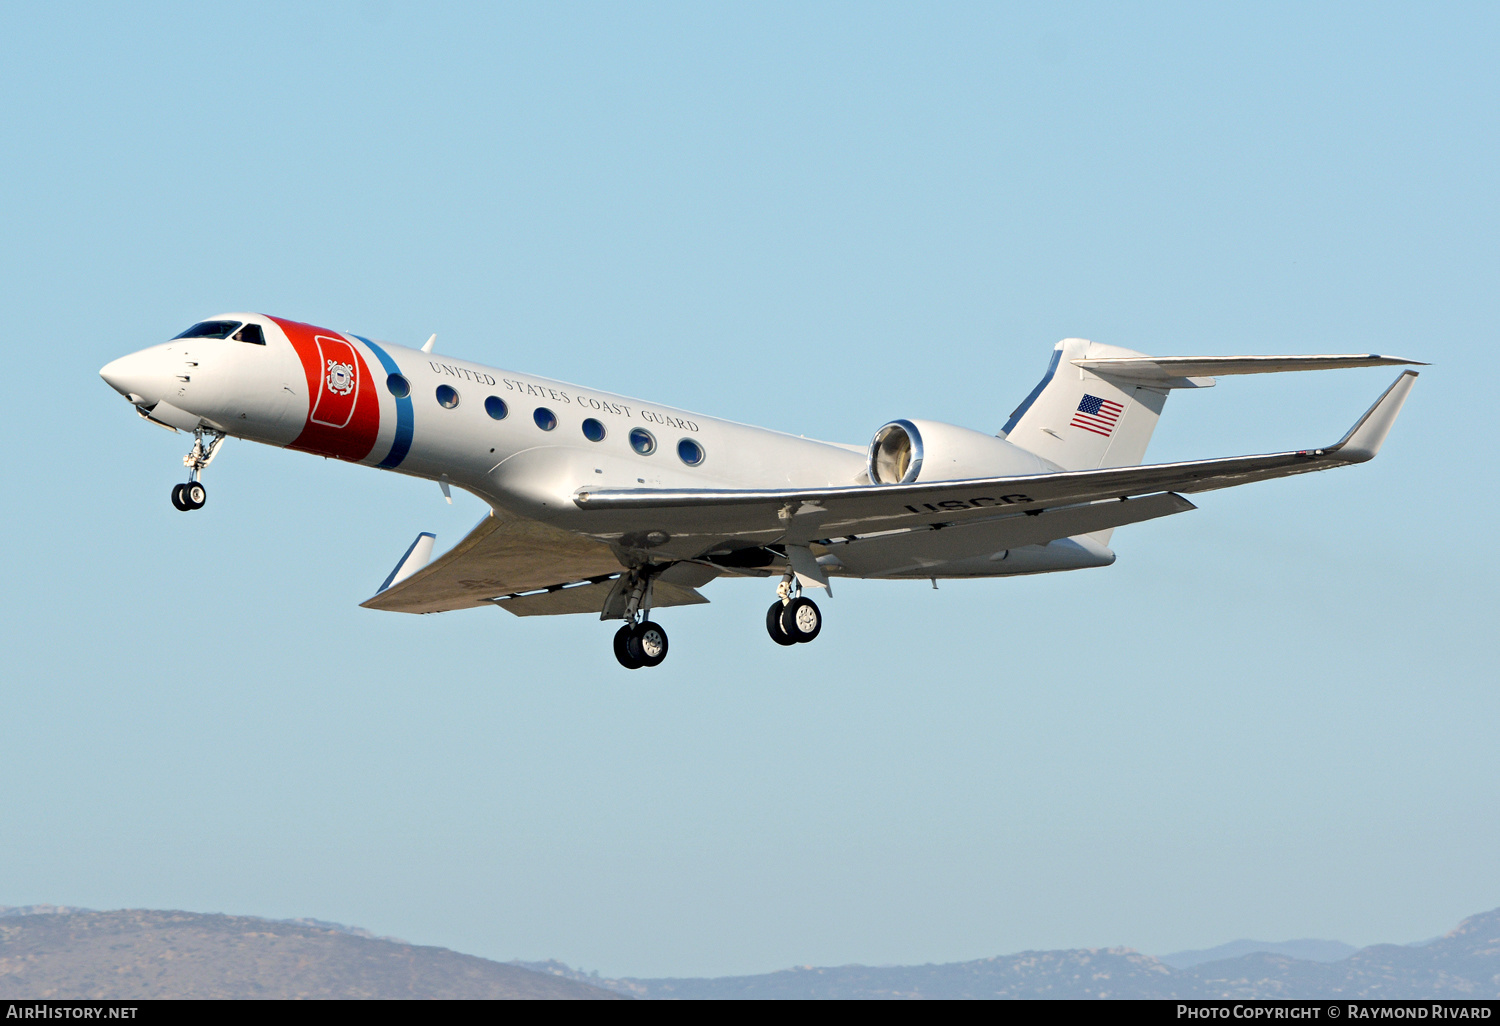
{"x": 340, "y": 377}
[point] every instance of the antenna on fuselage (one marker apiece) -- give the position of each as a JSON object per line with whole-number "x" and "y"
{"x": 427, "y": 346}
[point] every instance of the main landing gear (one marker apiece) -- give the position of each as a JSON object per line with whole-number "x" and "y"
{"x": 641, "y": 642}
{"x": 792, "y": 619}
{"x": 192, "y": 494}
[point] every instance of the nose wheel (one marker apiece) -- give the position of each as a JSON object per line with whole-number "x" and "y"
{"x": 189, "y": 496}
{"x": 192, "y": 495}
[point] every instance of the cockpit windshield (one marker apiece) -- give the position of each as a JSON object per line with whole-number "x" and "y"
{"x": 251, "y": 333}
{"x": 210, "y": 329}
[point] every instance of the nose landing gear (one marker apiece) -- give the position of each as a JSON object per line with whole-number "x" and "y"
{"x": 193, "y": 495}
{"x": 792, "y": 619}
{"x": 189, "y": 496}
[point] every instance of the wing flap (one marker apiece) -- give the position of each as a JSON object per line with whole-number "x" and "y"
{"x": 503, "y": 554}
{"x": 589, "y": 598}
{"x": 978, "y": 549}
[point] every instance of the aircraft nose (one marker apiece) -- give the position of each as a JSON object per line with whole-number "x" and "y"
{"x": 115, "y": 372}
{"x": 134, "y": 376}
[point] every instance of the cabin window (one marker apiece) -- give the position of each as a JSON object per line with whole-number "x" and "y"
{"x": 690, "y": 452}
{"x": 447, "y": 396}
{"x": 545, "y": 418}
{"x": 250, "y": 333}
{"x": 210, "y": 329}
{"x": 398, "y": 386}
{"x": 642, "y": 441}
{"x": 496, "y": 408}
{"x": 593, "y": 430}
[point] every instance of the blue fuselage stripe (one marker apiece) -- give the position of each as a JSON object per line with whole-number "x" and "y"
{"x": 405, "y": 421}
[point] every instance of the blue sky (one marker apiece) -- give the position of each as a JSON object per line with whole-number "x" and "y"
{"x": 1273, "y": 717}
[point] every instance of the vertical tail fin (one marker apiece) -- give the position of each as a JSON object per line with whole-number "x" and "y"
{"x": 1082, "y": 421}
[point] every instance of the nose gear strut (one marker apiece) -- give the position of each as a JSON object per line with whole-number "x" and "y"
{"x": 192, "y": 494}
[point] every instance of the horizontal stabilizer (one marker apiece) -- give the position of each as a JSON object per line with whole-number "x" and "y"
{"x": 415, "y": 559}
{"x": 1196, "y": 371}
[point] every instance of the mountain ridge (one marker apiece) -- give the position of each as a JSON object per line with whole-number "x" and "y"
{"x": 1464, "y": 963}
{"x": 60, "y": 952}
{"x": 146, "y": 954}
{"x": 1308, "y": 949}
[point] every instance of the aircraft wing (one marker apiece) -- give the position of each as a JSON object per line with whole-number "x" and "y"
{"x": 829, "y": 512}
{"x": 503, "y": 555}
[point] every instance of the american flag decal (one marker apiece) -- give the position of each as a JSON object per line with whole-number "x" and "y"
{"x": 1097, "y": 415}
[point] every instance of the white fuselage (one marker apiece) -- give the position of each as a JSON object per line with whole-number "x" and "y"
{"x": 341, "y": 395}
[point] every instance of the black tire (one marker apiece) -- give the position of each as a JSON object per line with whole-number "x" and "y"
{"x": 773, "y": 625}
{"x": 177, "y": 498}
{"x": 194, "y": 494}
{"x": 648, "y": 643}
{"x": 802, "y": 620}
{"x": 622, "y": 648}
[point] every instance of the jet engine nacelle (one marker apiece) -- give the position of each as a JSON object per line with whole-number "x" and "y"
{"x": 904, "y": 451}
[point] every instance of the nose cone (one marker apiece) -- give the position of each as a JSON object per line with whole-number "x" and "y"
{"x": 139, "y": 376}
{"x": 115, "y": 374}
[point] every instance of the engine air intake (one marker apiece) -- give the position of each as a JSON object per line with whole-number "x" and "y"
{"x": 896, "y": 453}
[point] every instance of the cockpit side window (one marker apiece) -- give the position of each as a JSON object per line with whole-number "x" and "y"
{"x": 211, "y": 329}
{"x": 250, "y": 333}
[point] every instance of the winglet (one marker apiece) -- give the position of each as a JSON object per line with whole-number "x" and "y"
{"x": 415, "y": 559}
{"x": 427, "y": 346}
{"x": 1365, "y": 437}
